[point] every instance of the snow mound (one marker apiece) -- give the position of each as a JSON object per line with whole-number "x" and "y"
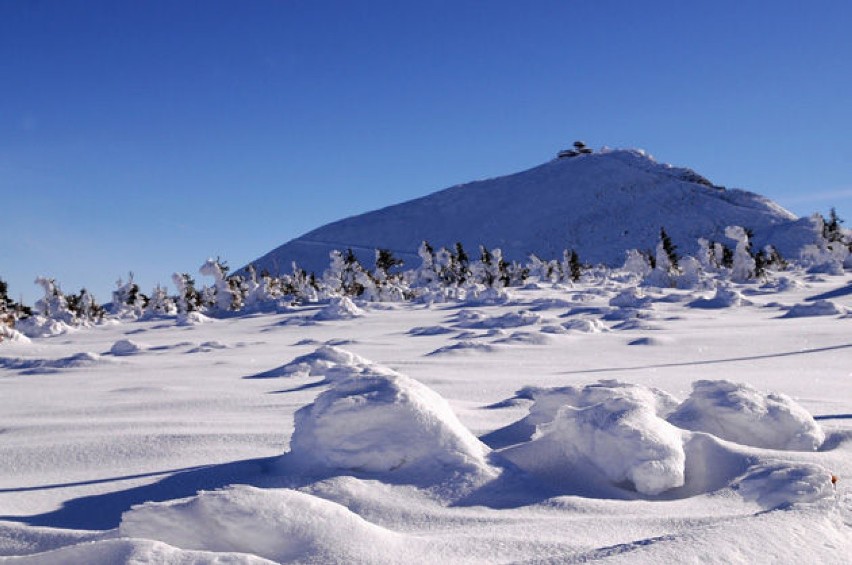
{"x": 625, "y": 440}
{"x": 631, "y": 298}
{"x": 722, "y": 298}
{"x": 476, "y": 320}
{"x": 341, "y": 308}
{"x": 463, "y": 346}
{"x": 773, "y": 483}
{"x": 653, "y": 341}
{"x": 44, "y": 366}
{"x": 12, "y": 335}
{"x": 321, "y": 361}
{"x": 380, "y": 421}
{"x": 739, "y": 413}
{"x": 589, "y": 326}
{"x": 523, "y": 338}
{"x": 124, "y": 347}
{"x": 609, "y": 429}
{"x": 817, "y": 308}
{"x": 326, "y": 361}
{"x": 192, "y": 319}
{"x": 136, "y": 551}
{"x": 278, "y": 524}
{"x": 429, "y": 331}
{"x": 41, "y": 326}
{"x": 547, "y": 401}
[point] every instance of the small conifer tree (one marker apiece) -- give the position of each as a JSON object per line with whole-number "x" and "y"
{"x": 670, "y": 249}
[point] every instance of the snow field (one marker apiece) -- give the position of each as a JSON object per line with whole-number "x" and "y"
{"x": 252, "y": 440}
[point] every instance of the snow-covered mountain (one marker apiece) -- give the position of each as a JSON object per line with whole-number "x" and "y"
{"x": 601, "y": 205}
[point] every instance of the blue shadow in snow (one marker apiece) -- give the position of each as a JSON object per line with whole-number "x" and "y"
{"x": 103, "y": 511}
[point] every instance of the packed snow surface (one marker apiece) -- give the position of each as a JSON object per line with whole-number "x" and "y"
{"x": 495, "y": 426}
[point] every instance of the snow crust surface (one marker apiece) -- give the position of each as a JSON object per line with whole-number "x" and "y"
{"x": 453, "y": 431}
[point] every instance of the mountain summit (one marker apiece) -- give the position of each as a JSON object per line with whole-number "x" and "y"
{"x": 599, "y": 204}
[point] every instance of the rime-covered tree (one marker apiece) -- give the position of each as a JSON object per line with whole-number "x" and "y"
{"x": 127, "y": 299}
{"x": 227, "y": 293}
{"x": 743, "y": 264}
{"x": 188, "y": 297}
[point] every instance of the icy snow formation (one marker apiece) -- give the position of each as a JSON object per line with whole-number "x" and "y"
{"x": 617, "y": 427}
{"x": 125, "y": 347}
{"x": 722, "y": 298}
{"x": 817, "y": 308}
{"x": 380, "y": 421}
{"x": 625, "y": 440}
{"x": 279, "y": 524}
{"x": 773, "y": 484}
{"x": 738, "y": 412}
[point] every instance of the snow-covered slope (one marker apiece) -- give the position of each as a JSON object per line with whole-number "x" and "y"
{"x": 600, "y": 205}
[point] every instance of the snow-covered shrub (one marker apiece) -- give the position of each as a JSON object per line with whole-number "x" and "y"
{"x": 160, "y": 304}
{"x": 637, "y": 263}
{"x": 828, "y": 258}
{"x": 743, "y": 268}
{"x": 227, "y": 293}
{"x": 188, "y": 298}
{"x": 345, "y": 275}
{"x": 10, "y": 313}
{"x": 740, "y": 413}
{"x": 53, "y": 305}
{"x": 127, "y": 300}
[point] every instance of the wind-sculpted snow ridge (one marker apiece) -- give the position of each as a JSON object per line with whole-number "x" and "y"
{"x": 777, "y": 483}
{"x": 327, "y": 361}
{"x": 463, "y": 346}
{"x": 379, "y": 421}
{"x": 44, "y": 366}
{"x": 476, "y": 320}
{"x": 817, "y": 308}
{"x": 738, "y": 412}
{"x": 722, "y": 298}
{"x": 616, "y": 428}
{"x": 278, "y": 524}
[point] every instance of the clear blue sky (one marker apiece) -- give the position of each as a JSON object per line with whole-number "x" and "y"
{"x": 147, "y": 136}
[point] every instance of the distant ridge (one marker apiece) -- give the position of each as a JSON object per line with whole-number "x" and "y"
{"x": 599, "y": 204}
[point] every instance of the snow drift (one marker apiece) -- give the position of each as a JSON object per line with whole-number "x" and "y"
{"x": 379, "y": 421}
{"x": 740, "y": 413}
{"x": 615, "y": 428}
{"x": 282, "y": 525}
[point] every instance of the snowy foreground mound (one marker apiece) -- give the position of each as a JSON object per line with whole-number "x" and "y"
{"x": 376, "y": 420}
{"x": 278, "y": 524}
{"x": 739, "y": 413}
